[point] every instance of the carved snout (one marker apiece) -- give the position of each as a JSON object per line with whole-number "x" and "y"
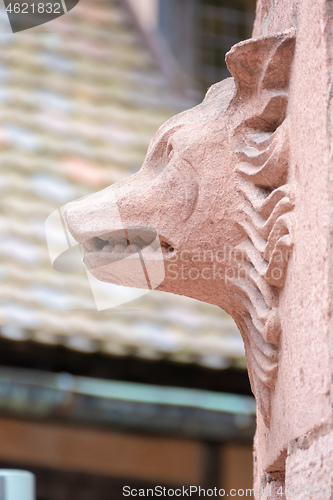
{"x": 115, "y": 251}
{"x": 119, "y": 245}
{"x": 138, "y": 202}
{"x": 93, "y": 216}
{"x": 97, "y": 223}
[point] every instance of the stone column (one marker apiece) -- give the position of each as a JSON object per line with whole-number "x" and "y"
{"x": 294, "y": 456}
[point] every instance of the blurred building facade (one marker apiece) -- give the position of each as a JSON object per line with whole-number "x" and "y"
{"x": 80, "y": 99}
{"x": 193, "y": 36}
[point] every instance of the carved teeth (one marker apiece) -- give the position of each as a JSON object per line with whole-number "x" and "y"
{"x": 121, "y": 248}
{"x": 108, "y": 248}
{"x": 141, "y": 236}
{"x": 135, "y": 247}
{"x": 138, "y": 244}
{"x": 138, "y": 239}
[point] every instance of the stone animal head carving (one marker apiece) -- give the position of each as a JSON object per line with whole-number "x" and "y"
{"x": 214, "y": 188}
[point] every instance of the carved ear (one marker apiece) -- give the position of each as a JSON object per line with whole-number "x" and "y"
{"x": 262, "y": 63}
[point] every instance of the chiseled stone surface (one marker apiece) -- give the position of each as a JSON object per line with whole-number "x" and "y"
{"x": 309, "y": 469}
{"x": 302, "y": 396}
{"x": 215, "y": 177}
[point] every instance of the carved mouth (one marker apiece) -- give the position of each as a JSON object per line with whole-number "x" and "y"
{"x": 120, "y": 244}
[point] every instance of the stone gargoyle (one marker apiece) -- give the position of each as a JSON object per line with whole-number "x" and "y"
{"x": 214, "y": 201}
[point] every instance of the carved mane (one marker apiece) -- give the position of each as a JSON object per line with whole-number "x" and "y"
{"x": 261, "y": 69}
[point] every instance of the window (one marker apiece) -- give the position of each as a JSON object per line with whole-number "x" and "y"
{"x": 200, "y": 32}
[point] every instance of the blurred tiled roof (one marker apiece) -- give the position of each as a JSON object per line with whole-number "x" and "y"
{"x": 80, "y": 98}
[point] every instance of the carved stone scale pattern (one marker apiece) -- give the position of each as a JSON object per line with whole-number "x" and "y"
{"x": 261, "y": 69}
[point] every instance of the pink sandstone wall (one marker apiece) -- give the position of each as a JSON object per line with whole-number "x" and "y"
{"x": 298, "y": 447}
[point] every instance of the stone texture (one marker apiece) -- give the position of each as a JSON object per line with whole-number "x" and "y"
{"x": 198, "y": 201}
{"x": 309, "y": 467}
{"x": 302, "y": 399}
{"x": 214, "y": 180}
